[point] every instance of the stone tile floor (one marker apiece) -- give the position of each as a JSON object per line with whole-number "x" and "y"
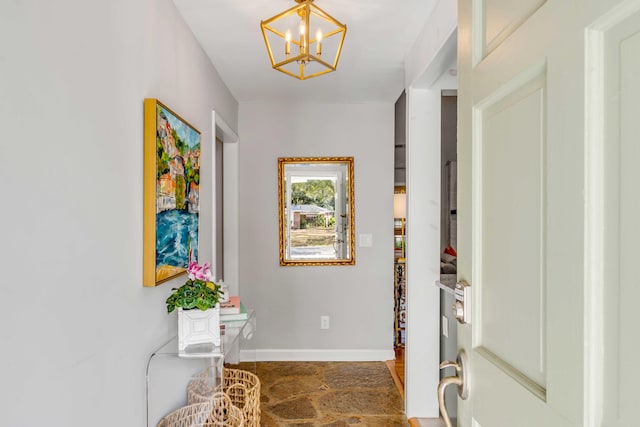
{"x": 329, "y": 394}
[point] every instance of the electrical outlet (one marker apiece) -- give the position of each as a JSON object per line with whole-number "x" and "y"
{"x": 324, "y": 322}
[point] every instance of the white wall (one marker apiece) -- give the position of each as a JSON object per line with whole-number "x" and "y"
{"x": 423, "y": 252}
{"x": 425, "y": 75}
{"x": 73, "y": 76}
{"x": 290, "y": 300}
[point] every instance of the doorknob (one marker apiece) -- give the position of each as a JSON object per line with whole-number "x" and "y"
{"x": 460, "y": 379}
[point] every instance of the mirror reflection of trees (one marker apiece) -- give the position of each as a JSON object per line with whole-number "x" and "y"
{"x": 318, "y": 192}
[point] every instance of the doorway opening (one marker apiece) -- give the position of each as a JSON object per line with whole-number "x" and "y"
{"x": 400, "y": 233}
{"x": 448, "y": 237}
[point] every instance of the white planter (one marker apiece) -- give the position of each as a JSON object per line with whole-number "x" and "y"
{"x": 198, "y": 327}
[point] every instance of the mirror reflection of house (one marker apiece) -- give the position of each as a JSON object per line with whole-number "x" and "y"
{"x": 302, "y": 215}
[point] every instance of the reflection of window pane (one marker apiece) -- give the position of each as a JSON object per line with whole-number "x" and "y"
{"x": 397, "y": 247}
{"x": 313, "y": 230}
{"x": 313, "y": 243}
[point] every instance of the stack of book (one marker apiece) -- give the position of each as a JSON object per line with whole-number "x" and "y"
{"x": 233, "y": 310}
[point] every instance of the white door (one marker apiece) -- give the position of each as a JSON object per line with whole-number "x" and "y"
{"x": 340, "y": 214}
{"x": 549, "y": 211}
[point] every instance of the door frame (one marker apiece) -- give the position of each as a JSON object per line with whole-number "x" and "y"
{"x": 426, "y": 75}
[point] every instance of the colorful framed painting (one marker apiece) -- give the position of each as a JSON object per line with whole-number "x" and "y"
{"x": 171, "y": 193}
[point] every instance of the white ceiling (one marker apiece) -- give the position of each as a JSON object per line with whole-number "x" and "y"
{"x": 371, "y": 67}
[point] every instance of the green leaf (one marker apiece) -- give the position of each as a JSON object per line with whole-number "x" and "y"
{"x": 202, "y": 305}
{"x": 188, "y": 293}
{"x": 189, "y": 302}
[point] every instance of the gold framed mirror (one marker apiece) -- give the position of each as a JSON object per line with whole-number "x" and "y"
{"x": 316, "y": 211}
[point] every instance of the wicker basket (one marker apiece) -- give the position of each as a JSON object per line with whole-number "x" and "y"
{"x": 242, "y": 388}
{"x": 217, "y": 411}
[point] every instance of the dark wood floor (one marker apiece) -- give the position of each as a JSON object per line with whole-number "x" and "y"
{"x": 396, "y": 367}
{"x": 399, "y": 363}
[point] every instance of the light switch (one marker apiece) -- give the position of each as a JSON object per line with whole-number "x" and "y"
{"x": 445, "y": 326}
{"x": 366, "y": 240}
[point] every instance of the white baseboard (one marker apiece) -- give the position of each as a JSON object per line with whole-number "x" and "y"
{"x": 315, "y": 355}
{"x": 434, "y": 422}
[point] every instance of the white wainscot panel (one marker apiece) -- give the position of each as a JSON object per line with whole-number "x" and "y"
{"x": 512, "y": 222}
{"x": 628, "y": 371}
{"x": 500, "y": 18}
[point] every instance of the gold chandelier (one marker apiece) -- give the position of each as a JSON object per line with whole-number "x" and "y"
{"x": 311, "y": 56}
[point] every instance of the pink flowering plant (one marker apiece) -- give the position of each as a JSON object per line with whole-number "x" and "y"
{"x": 198, "y": 292}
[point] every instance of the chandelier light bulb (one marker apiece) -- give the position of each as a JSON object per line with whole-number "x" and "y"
{"x": 319, "y": 43}
{"x": 287, "y": 44}
{"x": 302, "y": 30}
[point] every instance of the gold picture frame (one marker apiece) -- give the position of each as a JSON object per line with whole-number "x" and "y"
{"x": 316, "y": 211}
{"x": 171, "y": 193}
